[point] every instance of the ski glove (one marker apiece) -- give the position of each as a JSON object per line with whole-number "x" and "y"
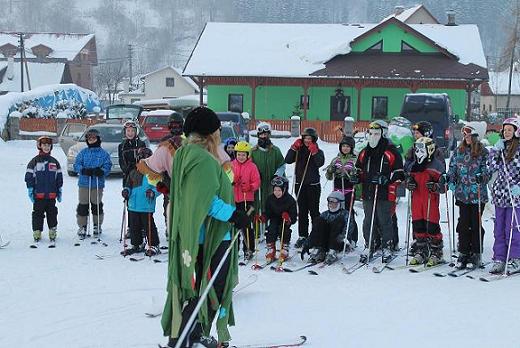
{"x": 380, "y": 180}
{"x": 162, "y": 188}
{"x": 499, "y": 145}
{"x": 286, "y": 217}
{"x": 58, "y": 195}
{"x": 239, "y": 219}
{"x": 150, "y": 194}
{"x": 411, "y": 184}
{"x": 125, "y": 193}
{"x": 431, "y": 186}
{"x": 86, "y": 171}
{"x": 297, "y": 145}
{"x": 260, "y": 218}
{"x": 30, "y": 193}
{"x": 313, "y": 148}
{"x": 515, "y": 191}
{"x": 98, "y": 172}
{"x": 354, "y": 179}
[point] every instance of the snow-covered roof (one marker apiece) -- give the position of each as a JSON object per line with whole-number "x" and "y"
{"x": 403, "y": 16}
{"x": 297, "y": 50}
{"x": 179, "y": 72}
{"x": 499, "y": 82}
{"x": 40, "y": 74}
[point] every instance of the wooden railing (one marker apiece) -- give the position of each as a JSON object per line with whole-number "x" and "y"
{"x": 38, "y": 125}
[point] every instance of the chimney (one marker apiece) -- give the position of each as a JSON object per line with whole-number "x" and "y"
{"x": 451, "y": 18}
{"x": 398, "y": 10}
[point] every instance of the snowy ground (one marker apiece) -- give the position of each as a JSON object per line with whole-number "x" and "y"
{"x": 66, "y": 297}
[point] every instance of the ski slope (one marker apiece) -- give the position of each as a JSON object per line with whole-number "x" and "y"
{"x": 67, "y": 297}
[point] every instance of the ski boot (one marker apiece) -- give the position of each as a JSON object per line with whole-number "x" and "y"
{"x": 473, "y": 262}
{"x": 248, "y": 255}
{"x": 271, "y": 252}
{"x": 152, "y": 251}
{"x": 332, "y": 256}
{"x": 133, "y": 250}
{"x": 207, "y": 341}
{"x": 417, "y": 259}
{"x": 37, "y": 235}
{"x": 317, "y": 256}
{"x": 82, "y": 232}
{"x": 498, "y": 267}
{"x": 388, "y": 254}
{"x": 462, "y": 260}
{"x": 433, "y": 260}
{"x": 299, "y": 242}
{"x": 97, "y": 230}
{"x": 284, "y": 252}
{"x": 514, "y": 266}
{"x": 52, "y": 234}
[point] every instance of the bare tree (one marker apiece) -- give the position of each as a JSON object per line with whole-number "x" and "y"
{"x": 510, "y": 50}
{"x": 108, "y": 80}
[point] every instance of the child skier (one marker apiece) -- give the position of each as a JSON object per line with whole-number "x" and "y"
{"x": 127, "y": 150}
{"x": 426, "y": 181}
{"x": 329, "y": 233}
{"x": 229, "y": 147}
{"x": 506, "y": 191}
{"x": 92, "y": 164}
{"x": 280, "y": 210}
{"x": 342, "y": 168}
{"x": 44, "y": 182}
{"x": 467, "y": 177}
{"x": 141, "y": 196}
{"x": 246, "y": 183}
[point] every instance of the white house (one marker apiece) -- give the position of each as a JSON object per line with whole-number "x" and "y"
{"x": 417, "y": 14}
{"x": 163, "y": 83}
{"x": 494, "y": 93}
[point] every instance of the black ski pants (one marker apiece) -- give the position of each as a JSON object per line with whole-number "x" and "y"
{"x": 139, "y": 224}
{"x": 195, "y": 331}
{"x": 325, "y": 234}
{"x": 249, "y": 232}
{"x": 467, "y": 228}
{"x": 42, "y": 208}
{"x": 274, "y": 231}
{"x": 308, "y": 203}
{"x": 383, "y": 230}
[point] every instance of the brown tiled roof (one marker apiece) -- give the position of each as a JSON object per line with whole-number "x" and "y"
{"x": 400, "y": 66}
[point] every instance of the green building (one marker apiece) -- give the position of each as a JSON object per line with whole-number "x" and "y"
{"x": 330, "y": 71}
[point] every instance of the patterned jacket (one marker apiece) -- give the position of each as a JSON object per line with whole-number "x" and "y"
{"x": 44, "y": 175}
{"x": 500, "y": 190}
{"x": 462, "y": 171}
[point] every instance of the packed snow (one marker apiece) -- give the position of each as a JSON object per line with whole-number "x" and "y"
{"x": 67, "y": 297}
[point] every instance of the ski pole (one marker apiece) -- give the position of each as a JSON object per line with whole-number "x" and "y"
{"x": 303, "y": 176}
{"x": 455, "y": 245}
{"x": 513, "y": 212}
{"x": 373, "y": 213}
{"x": 247, "y": 229}
{"x": 123, "y": 221}
{"x": 294, "y": 178}
{"x": 428, "y": 212}
{"x": 352, "y": 194}
{"x": 149, "y": 233}
{"x": 479, "y": 223}
{"x": 280, "y": 260}
{"x": 97, "y": 210}
{"x": 449, "y": 223}
{"x": 408, "y": 217}
{"x": 89, "y": 204}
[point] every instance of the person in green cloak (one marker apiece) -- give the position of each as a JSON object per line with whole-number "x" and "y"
{"x": 270, "y": 163}
{"x": 202, "y": 211}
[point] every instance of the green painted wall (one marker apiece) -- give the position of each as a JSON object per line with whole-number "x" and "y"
{"x": 320, "y": 102}
{"x": 277, "y": 102}
{"x": 392, "y": 35}
{"x": 218, "y": 96}
{"x": 395, "y": 100}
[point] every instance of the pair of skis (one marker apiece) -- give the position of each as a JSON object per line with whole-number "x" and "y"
{"x": 35, "y": 245}
{"x": 296, "y": 342}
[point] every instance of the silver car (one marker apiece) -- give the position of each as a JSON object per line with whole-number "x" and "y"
{"x": 72, "y": 141}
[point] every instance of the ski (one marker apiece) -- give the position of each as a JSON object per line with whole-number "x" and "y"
{"x": 398, "y": 267}
{"x": 258, "y": 267}
{"x": 136, "y": 259}
{"x": 52, "y": 244}
{"x": 427, "y": 268}
{"x": 152, "y": 315}
{"x": 459, "y": 272}
{"x": 5, "y": 244}
{"x": 294, "y": 343}
{"x": 380, "y": 268}
{"x": 495, "y": 277}
{"x": 353, "y": 268}
{"x": 250, "y": 281}
{"x": 279, "y": 267}
{"x": 311, "y": 264}
{"x": 34, "y": 245}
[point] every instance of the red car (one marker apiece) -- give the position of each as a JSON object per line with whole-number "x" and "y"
{"x": 155, "y": 124}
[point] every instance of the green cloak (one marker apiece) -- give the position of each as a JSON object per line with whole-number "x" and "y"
{"x": 197, "y": 178}
{"x": 267, "y": 163}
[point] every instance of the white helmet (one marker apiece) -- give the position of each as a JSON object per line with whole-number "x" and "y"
{"x": 515, "y": 122}
{"x": 263, "y": 127}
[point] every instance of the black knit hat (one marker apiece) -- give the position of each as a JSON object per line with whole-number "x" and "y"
{"x": 348, "y": 141}
{"x": 201, "y": 120}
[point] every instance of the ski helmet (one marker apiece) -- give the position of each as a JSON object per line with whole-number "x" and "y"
{"x": 469, "y": 128}
{"x": 512, "y": 121}
{"x": 93, "y": 132}
{"x": 175, "y": 123}
{"x": 143, "y": 153}
{"x": 263, "y": 127}
{"x": 230, "y": 141}
{"x": 336, "y": 197}
{"x": 309, "y": 131}
{"x": 424, "y": 127}
{"x": 380, "y": 124}
{"x": 280, "y": 181}
{"x": 130, "y": 124}
{"x": 347, "y": 141}
{"x": 43, "y": 140}
{"x": 424, "y": 149}
{"x": 243, "y": 146}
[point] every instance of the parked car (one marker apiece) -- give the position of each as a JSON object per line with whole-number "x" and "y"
{"x": 155, "y": 124}
{"x": 436, "y": 109}
{"x": 227, "y": 130}
{"x": 111, "y": 136}
{"x": 123, "y": 111}
{"x": 239, "y": 122}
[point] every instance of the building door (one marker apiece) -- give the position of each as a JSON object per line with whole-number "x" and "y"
{"x": 339, "y": 106}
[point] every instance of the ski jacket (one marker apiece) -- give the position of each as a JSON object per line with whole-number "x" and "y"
{"x": 245, "y": 174}
{"x": 343, "y": 214}
{"x": 274, "y": 207}
{"x": 44, "y": 175}
{"x": 159, "y": 165}
{"x": 462, "y": 171}
{"x": 313, "y": 164}
{"x": 270, "y": 162}
{"x": 383, "y": 160}
{"x": 425, "y": 204}
{"x": 127, "y": 152}
{"x": 92, "y": 157}
{"x": 340, "y": 169}
{"x": 138, "y": 184}
{"x": 504, "y": 181}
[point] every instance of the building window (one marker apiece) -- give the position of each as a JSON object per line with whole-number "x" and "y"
{"x": 379, "y": 107}
{"x": 132, "y": 100}
{"x": 170, "y": 82}
{"x": 339, "y": 106}
{"x": 302, "y": 102}
{"x": 407, "y": 48}
{"x": 490, "y": 108}
{"x": 236, "y": 102}
{"x": 378, "y": 47}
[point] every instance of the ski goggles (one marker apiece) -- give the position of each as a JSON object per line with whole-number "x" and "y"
{"x": 375, "y": 125}
{"x": 278, "y": 181}
{"x": 420, "y": 146}
{"x": 467, "y": 131}
{"x": 131, "y": 124}
{"x": 45, "y": 140}
{"x": 332, "y": 201}
{"x": 263, "y": 129}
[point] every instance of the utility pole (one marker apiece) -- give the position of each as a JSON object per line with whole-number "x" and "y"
{"x": 130, "y": 52}
{"x": 512, "y": 60}
{"x": 22, "y": 50}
